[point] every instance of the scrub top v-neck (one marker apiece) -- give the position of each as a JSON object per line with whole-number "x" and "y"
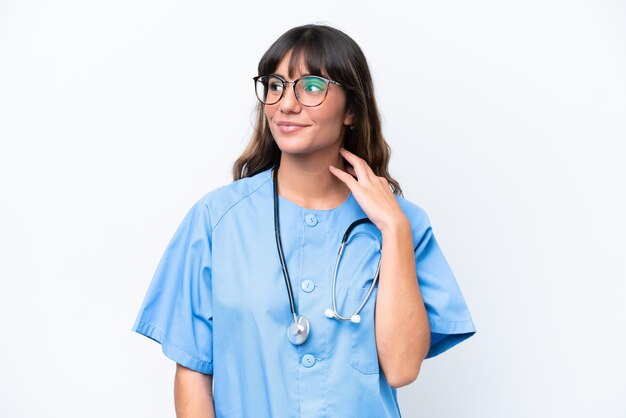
{"x": 218, "y": 304}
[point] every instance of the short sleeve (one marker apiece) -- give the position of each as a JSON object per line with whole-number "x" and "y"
{"x": 177, "y": 310}
{"x": 448, "y": 314}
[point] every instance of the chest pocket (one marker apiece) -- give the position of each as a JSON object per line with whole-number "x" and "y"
{"x": 364, "y": 355}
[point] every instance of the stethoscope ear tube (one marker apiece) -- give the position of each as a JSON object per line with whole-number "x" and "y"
{"x": 350, "y": 228}
{"x": 334, "y": 313}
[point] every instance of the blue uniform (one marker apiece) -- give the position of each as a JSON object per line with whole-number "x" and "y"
{"x": 218, "y": 304}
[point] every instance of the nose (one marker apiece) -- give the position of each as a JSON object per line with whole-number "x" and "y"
{"x": 289, "y": 102}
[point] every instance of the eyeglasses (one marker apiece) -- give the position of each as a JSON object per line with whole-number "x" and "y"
{"x": 310, "y": 90}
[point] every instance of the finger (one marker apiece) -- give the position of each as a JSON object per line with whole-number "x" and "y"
{"x": 343, "y": 176}
{"x": 362, "y": 169}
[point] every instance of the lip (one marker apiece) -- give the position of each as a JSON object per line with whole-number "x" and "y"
{"x": 289, "y": 127}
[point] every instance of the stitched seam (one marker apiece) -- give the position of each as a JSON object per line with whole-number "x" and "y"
{"x": 450, "y": 322}
{"x": 141, "y": 321}
{"x": 237, "y": 202}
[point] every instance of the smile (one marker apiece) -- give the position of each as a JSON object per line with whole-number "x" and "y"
{"x": 290, "y": 128}
{"x": 287, "y": 128}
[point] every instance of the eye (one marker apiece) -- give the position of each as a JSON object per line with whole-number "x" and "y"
{"x": 275, "y": 85}
{"x": 313, "y": 85}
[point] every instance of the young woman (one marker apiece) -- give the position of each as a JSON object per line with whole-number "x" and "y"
{"x": 308, "y": 287}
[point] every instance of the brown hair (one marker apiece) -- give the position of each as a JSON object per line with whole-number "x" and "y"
{"x": 327, "y": 48}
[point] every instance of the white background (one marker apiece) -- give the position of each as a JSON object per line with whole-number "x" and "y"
{"x": 506, "y": 122}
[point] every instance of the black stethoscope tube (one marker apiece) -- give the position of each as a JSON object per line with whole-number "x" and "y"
{"x": 280, "y": 246}
{"x": 298, "y": 331}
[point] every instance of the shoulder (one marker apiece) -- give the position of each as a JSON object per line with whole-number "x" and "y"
{"x": 218, "y": 202}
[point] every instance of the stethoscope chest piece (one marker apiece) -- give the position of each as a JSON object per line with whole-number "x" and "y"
{"x": 298, "y": 331}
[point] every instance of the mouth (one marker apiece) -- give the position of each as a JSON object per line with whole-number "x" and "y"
{"x": 290, "y": 127}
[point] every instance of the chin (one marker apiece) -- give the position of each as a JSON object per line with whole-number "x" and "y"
{"x": 295, "y": 150}
{"x": 300, "y": 144}
{"x": 293, "y": 144}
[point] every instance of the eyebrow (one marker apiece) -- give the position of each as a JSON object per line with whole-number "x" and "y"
{"x": 280, "y": 75}
{"x": 303, "y": 75}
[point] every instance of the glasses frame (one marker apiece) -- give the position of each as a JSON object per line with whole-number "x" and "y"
{"x": 327, "y": 81}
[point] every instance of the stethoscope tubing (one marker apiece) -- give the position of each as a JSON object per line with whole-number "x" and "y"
{"x": 336, "y": 313}
{"x": 298, "y": 331}
{"x": 280, "y": 250}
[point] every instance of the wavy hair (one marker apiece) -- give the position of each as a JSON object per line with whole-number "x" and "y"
{"x": 329, "y": 50}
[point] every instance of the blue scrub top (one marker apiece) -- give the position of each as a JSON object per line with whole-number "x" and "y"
{"x": 218, "y": 304}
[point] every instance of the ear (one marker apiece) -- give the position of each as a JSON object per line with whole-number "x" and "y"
{"x": 349, "y": 118}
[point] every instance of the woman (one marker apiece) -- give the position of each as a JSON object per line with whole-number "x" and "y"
{"x": 253, "y": 296}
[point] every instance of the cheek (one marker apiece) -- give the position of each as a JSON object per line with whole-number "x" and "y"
{"x": 269, "y": 111}
{"x": 332, "y": 115}
{"x": 330, "y": 119}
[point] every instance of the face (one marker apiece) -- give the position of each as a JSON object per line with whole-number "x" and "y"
{"x": 320, "y": 129}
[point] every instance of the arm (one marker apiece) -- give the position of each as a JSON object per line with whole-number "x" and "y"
{"x": 401, "y": 325}
{"x": 193, "y": 394}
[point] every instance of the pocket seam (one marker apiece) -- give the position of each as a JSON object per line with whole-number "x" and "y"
{"x": 359, "y": 356}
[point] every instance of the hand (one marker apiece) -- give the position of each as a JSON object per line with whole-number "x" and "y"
{"x": 372, "y": 192}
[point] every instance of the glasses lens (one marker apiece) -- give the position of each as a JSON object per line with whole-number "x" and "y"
{"x": 269, "y": 89}
{"x": 311, "y": 91}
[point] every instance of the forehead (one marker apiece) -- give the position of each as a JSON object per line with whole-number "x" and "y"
{"x": 293, "y": 66}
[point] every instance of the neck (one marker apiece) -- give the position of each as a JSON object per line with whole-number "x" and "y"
{"x": 309, "y": 183}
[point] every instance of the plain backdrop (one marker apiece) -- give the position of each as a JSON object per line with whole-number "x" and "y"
{"x": 506, "y": 122}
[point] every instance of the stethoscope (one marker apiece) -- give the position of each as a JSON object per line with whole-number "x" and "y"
{"x": 298, "y": 331}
